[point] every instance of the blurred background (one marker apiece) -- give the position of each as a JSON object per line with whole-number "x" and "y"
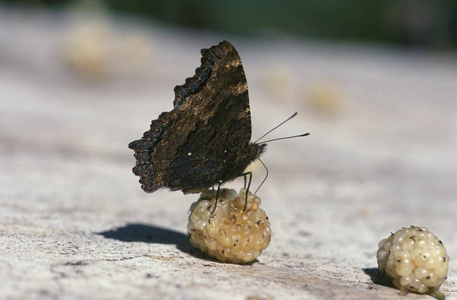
{"x": 374, "y": 81}
{"x": 419, "y": 23}
{"x": 378, "y": 77}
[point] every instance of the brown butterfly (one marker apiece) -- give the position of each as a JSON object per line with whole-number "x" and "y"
{"x": 205, "y": 139}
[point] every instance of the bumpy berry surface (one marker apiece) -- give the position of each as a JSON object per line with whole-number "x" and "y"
{"x": 415, "y": 259}
{"x": 230, "y": 233}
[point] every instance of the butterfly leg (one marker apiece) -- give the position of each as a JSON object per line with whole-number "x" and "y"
{"x": 217, "y": 196}
{"x": 247, "y": 188}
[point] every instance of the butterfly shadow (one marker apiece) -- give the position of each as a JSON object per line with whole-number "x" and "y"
{"x": 378, "y": 277}
{"x": 138, "y": 232}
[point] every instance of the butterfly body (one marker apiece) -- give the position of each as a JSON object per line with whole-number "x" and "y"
{"x": 205, "y": 139}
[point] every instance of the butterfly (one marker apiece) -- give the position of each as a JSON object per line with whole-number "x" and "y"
{"x": 205, "y": 139}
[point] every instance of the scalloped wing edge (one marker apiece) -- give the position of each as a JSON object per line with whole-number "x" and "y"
{"x": 195, "y": 83}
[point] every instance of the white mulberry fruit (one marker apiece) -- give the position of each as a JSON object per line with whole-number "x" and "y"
{"x": 231, "y": 233}
{"x": 415, "y": 259}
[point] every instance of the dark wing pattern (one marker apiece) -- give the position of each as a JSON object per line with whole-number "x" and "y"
{"x": 203, "y": 139}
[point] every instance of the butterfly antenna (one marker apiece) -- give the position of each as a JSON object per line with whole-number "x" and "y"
{"x": 266, "y": 176}
{"x": 275, "y": 127}
{"x": 285, "y": 138}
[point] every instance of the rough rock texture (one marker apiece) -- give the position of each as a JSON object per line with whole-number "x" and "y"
{"x": 75, "y": 224}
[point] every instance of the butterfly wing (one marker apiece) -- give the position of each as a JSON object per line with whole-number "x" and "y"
{"x": 201, "y": 141}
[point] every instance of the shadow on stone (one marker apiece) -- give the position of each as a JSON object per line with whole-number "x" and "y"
{"x": 197, "y": 253}
{"x": 377, "y": 277}
{"x": 147, "y": 234}
{"x": 157, "y": 235}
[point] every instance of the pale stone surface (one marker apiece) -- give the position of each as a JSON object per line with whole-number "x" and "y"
{"x": 74, "y": 222}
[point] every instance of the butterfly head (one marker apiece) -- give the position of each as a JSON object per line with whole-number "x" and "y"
{"x": 255, "y": 150}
